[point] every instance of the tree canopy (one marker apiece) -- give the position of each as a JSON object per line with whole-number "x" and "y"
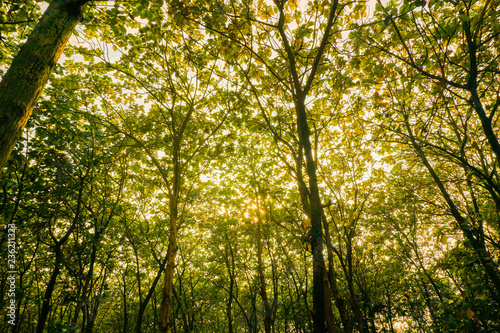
{"x": 266, "y": 166}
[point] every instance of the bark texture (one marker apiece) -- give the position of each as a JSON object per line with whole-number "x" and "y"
{"x": 166, "y": 303}
{"x": 31, "y": 68}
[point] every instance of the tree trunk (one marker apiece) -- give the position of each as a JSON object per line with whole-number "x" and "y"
{"x": 332, "y": 280}
{"x": 166, "y": 302}
{"x": 356, "y": 309}
{"x": 472, "y": 83}
{"x": 85, "y": 291}
{"x": 252, "y": 327}
{"x": 31, "y": 68}
{"x": 319, "y": 316}
{"x": 125, "y": 303}
{"x": 268, "y": 311}
{"x": 44, "y": 313}
{"x": 231, "y": 272}
{"x": 90, "y": 309}
{"x": 144, "y": 303}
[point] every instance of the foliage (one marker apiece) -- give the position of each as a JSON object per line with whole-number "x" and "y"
{"x": 170, "y": 140}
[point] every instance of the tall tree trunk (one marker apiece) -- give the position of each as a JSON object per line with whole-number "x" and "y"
{"x": 91, "y": 316}
{"x": 31, "y": 68}
{"x": 166, "y": 302}
{"x": 90, "y": 309}
{"x": 300, "y": 92}
{"x": 356, "y": 309}
{"x": 472, "y": 83}
{"x": 59, "y": 256}
{"x": 319, "y": 272}
{"x": 125, "y": 303}
{"x": 268, "y": 311}
{"x": 85, "y": 290}
{"x": 332, "y": 280}
{"x": 144, "y": 303}
{"x": 231, "y": 272}
{"x": 180, "y": 306}
{"x": 44, "y": 313}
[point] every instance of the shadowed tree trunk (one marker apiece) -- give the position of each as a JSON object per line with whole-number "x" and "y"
{"x": 268, "y": 309}
{"x": 44, "y": 313}
{"x": 144, "y": 303}
{"x": 300, "y": 92}
{"x": 230, "y": 265}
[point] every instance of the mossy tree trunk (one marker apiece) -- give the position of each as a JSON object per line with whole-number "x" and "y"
{"x": 31, "y": 68}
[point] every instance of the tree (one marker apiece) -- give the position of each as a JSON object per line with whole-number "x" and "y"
{"x": 453, "y": 132}
{"x": 59, "y": 214}
{"x": 168, "y": 178}
{"x": 31, "y": 68}
{"x": 300, "y": 59}
{"x": 184, "y": 89}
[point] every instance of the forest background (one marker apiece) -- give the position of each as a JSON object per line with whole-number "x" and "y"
{"x": 236, "y": 166}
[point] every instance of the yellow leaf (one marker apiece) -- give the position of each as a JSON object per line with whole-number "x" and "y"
{"x": 306, "y": 225}
{"x": 444, "y": 239}
{"x": 470, "y": 313}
